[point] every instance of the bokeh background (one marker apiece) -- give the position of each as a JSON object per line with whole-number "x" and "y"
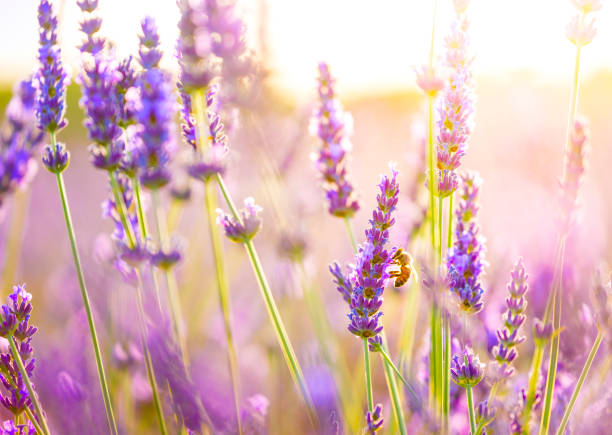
{"x": 523, "y": 72}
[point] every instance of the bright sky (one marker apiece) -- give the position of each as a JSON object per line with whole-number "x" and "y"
{"x": 371, "y": 45}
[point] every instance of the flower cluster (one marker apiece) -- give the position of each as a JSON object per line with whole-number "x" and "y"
{"x": 374, "y": 420}
{"x": 333, "y": 126}
{"x": 241, "y": 230}
{"x": 466, "y": 258}
{"x": 373, "y": 260}
{"x": 456, "y": 107}
{"x": 466, "y": 369}
{"x": 19, "y": 138}
{"x": 15, "y": 325}
{"x": 581, "y": 30}
{"x": 154, "y": 113}
{"x": 51, "y": 77}
{"x": 209, "y": 159}
{"x": 573, "y": 171}
{"x": 508, "y": 336}
{"x": 429, "y": 81}
{"x": 99, "y": 80}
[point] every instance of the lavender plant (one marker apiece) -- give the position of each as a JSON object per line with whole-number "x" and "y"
{"x": 51, "y": 81}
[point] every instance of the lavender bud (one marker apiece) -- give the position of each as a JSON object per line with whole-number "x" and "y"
{"x": 243, "y": 230}
{"x": 374, "y": 420}
{"x": 466, "y": 369}
{"x": 56, "y": 159}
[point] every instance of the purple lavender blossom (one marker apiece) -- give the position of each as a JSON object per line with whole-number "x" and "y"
{"x": 243, "y": 230}
{"x": 194, "y": 48}
{"x": 124, "y": 88}
{"x": 210, "y": 160}
{"x": 254, "y": 415}
{"x": 9, "y": 427}
{"x": 573, "y": 171}
{"x": 188, "y": 127}
{"x": 466, "y": 258}
{"x": 466, "y": 369}
{"x": 542, "y": 332}
{"x": 15, "y": 323}
{"x": 51, "y": 79}
{"x": 333, "y": 126}
{"x": 56, "y": 159}
{"x": 372, "y": 262}
{"x": 19, "y": 139}
{"x": 508, "y": 337}
{"x": 100, "y": 80}
{"x": 374, "y": 420}
{"x": 456, "y": 107}
{"x": 154, "y": 113}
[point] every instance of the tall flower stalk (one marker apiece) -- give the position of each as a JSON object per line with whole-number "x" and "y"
{"x": 52, "y": 81}
{"x": 467, "y": 371}
{"x": 580, "y": 32}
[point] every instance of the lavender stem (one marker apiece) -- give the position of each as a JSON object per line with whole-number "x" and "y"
{"x": 26, "y": 379}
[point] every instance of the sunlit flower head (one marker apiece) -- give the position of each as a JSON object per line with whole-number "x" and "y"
{"x": 429, "y": 80}
{"x": 587, "y": 6}
{"x": 580, "y": 31}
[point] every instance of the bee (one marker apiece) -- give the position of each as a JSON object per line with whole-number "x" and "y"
{"x": 404, "y": 263}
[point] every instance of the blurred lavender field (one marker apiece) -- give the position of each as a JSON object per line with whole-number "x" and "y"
{"x": 516, "y": 145}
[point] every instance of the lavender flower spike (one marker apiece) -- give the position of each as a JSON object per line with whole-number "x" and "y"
{"x": 466, "y": 258}
{"x": 466, "y": 369}
{"x": 508, "y": 336}
{"x": 333, "y": 126}
{"x": 243, "y": 230}
{"x": 374, "y": 420}
{"x": 372, "y": 262}
{"x": 456, "y": 106}
{"x": 51, "y": 78}
{"x": 573, "y": 171}
{"x": 581, "y": 30}
{"x": 154, "y": 113}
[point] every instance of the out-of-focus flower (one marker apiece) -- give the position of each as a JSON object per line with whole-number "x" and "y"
{"x": 573, "y": 171}
{"x": 333, "y": 126}
{"x": 124, "y": 90}
{"x": 466, "y": 258}
{"x": 429, "y": 81}
{"x": 580, "y": 31}
{"x": 209, "y": 158}
{"x": 188, "y": 126}
{"x": 372, "y": 262}
{"x": 254, "y": 415}
{"x": 587, "y": 6}
{"x": 374, "y": 420}
{"x": 542, "y": 332}
{"x": 51, "y": 79}
{"x": 484, "y": 413}
{"x": 19, "y": 139}
{"x": 508, "y": 336}
{"x": 461, "y": 6}
{"x": 166, "y": 258}
{"x": 456, "y": 108}
{"x": 15, "y": 324}
{"x": 466, "y": 369}
{"x": 244, "y": 229}
{"x": 9, "y": 427}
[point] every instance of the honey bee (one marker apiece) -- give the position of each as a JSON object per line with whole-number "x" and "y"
{"x": 404, "y": 263}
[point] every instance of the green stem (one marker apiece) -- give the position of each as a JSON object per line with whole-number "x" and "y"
{"x": 554, "y": 350}
{"x": 430, "y": 152}
{"x": 492, "y": 393}
{"x": 173, "y": 297}
{"x": 387, "y": 359}
{"x": 279, "y": 327}
{"x": 581, "y": 379}
{"x": 368, "y": 375}
{"x": 33, "y": 420}
{"x": 86, "y": 304}
{"x": 121, "y": 208}
{"x": 161, "y": 421}
{"x": 440, "y": 211}
{"x": 468, "y": 391}
{"x": 533, "y": 384}
{"x": 14, "y": 237}
{"x": 349, "y": 230}
{"x": 141, "y": 216}
{"x": 433, "y": 379}
{"x": 450, "y": 221}
{"x": 446, "y": 375}
{"x": 26, "y": 379}
{"x": 393, "y": 392}
{"x": 224, "y": 296}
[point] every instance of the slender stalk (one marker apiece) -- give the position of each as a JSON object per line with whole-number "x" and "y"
{"x": 440, "y": 218}
{"x": 224, "y": 296}
{"x": 33, "y": 420}
{"x": 120, "y": 203}
{"x": 468, "y": 391}
{"x": 410, "y": 319}
{"x": 554, "y": 350}
{"x": 581, "y": 379}
{"x": 394, "y": 392}
{"x": 161, "y": 421}
{"x": 173, "y": 297}
{"x": 368, "y": 376}
{"x": 387, "y": 359}
{"x": 85, "y": 296}
{"x": 26, "y": 379}
{"x": 430, "y": 154}
{"x": 492, "y": 393}
{"x": 142, "y": 221}
{"x": 446, "y": 375}
{"x": 279, "y": 327}
{"x": 433, "y": 378}
{"x": 450, "y": 221}
{"x": 349, "y": 230}
{"x": 14, "y": 237}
